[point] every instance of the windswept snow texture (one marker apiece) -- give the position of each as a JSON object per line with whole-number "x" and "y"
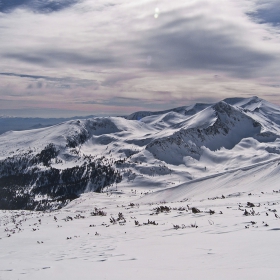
{"x": 223, "y": 227}
{"x": 148, "y": 150}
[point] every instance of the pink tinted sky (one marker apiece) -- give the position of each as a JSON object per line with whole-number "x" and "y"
{"x": 83, "y": 57}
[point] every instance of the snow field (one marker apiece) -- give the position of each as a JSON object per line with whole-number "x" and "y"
{"x": 71, "y": 243}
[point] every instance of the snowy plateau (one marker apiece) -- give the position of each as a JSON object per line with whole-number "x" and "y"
{"x": 187, "y": 193}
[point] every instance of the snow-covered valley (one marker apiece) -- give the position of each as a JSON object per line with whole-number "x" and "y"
{"x": 190, "y": 192}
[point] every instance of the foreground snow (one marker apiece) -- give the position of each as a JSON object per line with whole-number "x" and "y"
{"x": 148, "y": 243}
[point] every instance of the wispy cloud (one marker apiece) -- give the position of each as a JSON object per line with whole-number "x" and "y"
{"x": 41, "y": 6}
{"x": 266, "y": 12}
{"x": 54, "y": 58}
{"x": 201, "y": 42}
{"x": 117, "y": 57}
{"x": 117, "y": 79}
{"x": 35, "y": 81}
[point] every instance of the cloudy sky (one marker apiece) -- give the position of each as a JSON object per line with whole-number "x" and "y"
{"x": 82, "y": 57}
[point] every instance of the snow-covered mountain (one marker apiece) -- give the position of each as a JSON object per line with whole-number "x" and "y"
{"x": 8, "y": 123}
{"x": 185, "y": 110}
{"x": 151, "y": 151}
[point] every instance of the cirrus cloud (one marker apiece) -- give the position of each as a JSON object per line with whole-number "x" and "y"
{"x": 96, "y": 56}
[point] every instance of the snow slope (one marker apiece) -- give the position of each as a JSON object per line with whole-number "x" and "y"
{"x": 8, "y": 123}
{"x": 185, "y": 110}
{"x": 234, "y": 234}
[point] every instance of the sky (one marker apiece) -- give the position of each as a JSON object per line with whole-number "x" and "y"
{"x": 92, "y": 57}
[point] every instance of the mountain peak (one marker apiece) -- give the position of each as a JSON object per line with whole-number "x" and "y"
{"x": 222, "y": 106}
{"x": 243, "y": 102}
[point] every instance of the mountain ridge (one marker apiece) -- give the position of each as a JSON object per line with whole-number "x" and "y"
{"x": 8, "y": 123}
{"x": 108, "y": 153}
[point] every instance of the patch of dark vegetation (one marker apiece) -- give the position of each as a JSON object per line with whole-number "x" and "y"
{"x": 150, "y": 223}
{"x": 194, "y": 225}
{"x": 25, "y": 184}
{"x": 195, "y": 210}
{"x": 47, "y": 154}
{"x": 78, "y": 139}
{"x": 178, "y": 227}
{"x": 162, "y": 209}
{"x": 98, "y": 212}
{"x": 250, "y": 204}
{"x": 252, "y": 212}
{"x": 217, "y": 197}
{"x": 120, "y": 219}
{"x": 19, "y": 197}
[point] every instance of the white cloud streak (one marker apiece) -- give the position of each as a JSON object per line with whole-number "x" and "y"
{"x": 91, "y": 51}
